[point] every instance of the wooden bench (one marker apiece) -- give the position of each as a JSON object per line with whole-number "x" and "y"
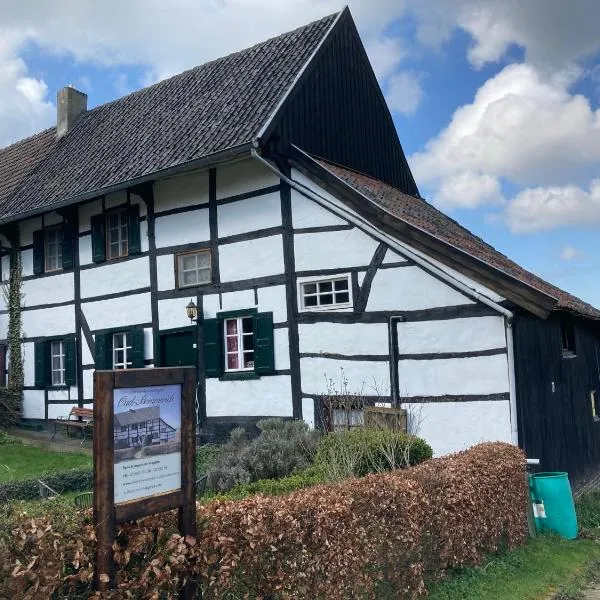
{"x": 79, "y": 418}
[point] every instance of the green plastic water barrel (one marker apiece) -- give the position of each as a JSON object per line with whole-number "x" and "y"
{"x": 553, "y": 506}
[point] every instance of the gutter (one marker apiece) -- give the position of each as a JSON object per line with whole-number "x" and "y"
{"x": 190, "y": 165}
{"x": 340, "y": 210}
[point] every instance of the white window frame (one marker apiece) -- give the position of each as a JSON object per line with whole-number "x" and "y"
{"x": 179, "y": 258}
{"x": 57, "y": 244}
{"x": 240, "y": 344}
{"x": 123, "y": 240}
{"x": 125, "y": 347}
{"x": 57, "y": 350}
{"x": 321, "y": 280}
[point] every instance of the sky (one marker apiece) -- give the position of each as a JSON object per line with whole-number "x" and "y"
{"x": 496, "y": 103}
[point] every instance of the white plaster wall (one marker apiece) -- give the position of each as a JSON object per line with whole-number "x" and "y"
{"x": 453, "y": 426}
{"x": 453, "y": 376}
{"x": 60, "y": 410}
{"x": 86, "y": 212}
{"x": 27, "y": 262}
{"x": 308, "y": 412}
{"x": 86, "y": 353}
{"x": 148, "y": 344}
{"x": 393, "y": 257}
{"x": 135, "y": 199}
{"x": 27, "y": 350}
{"x": 4, "y": 325}
{"x": 307, "y": 213}
{"x": 254, "y": 258}
{"x": 453, "y": 335}
{"x": 267, "y": 396}
{"x": 49, "y": 290}
{"x": 62, "y": 394}
{"x": 370, "y": 377}
{"x": 182, "y": 228}
{"x": 115, "y": 199}
{"x": 171, "y": 313}
{"x": 411, "y": 288}
{"x": 144, "y": 236}
{"x": 3, "y": 306}
{"x": 118, "y": 312}
{"x": 243, "y": 176}
{"x": 26, "y": 229}
{"x": 181, "y": 191}
{"x": 229, "y": 301}
{"x": 260, "y": 212}
{"x": 112, "y": 278}
{"x": 340, "y": 338}
{"x": 165, "y": 272}
{"x": 88, "y": 383}
{"x": 85, "y": 250}
{"x": 52, "y": 218}
{"x": 273, "y": 299}
{"x": 282, "y": 349}
{"x": 5, "y": 268}
{"x": 34, "y": 406}
{"x": 333, "y": 249}
{"x": 46, "y": 322}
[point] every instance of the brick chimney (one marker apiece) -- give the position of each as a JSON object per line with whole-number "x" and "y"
{"x": 70, "y": 104}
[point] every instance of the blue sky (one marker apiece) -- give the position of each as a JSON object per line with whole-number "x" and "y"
{"x": 496, "y": 103}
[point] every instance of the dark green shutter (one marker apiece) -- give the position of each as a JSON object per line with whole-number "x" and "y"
{"x": 98, "y": 239}
{"x": 264, "y": 354}
{"x": 70, "y": 362}
{"x": 213, "y": 347}
{"x": 42, "y": 364}
{"x": 133, "y": 215}
{"x": 103, "y": 351}
{"x": 68, "y": 241}
{"x": 38, "y": 252}
{"x": 135, "y": 338}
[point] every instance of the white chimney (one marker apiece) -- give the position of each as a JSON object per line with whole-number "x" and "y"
{"x": 70, "y": 104}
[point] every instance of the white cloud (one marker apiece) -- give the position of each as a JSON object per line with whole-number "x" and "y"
{"x": 468, "y": 190}
{"x": 544, "y": 208}
{"x": 404, "y": 92}
{"x": 569, "y": 253}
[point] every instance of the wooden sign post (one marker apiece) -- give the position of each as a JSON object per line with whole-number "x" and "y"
{"x": 144, "y": 454}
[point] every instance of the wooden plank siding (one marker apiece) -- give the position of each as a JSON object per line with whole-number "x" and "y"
{"x": 557, "y": 426}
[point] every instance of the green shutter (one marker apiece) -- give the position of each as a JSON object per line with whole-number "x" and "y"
{"x": 68, "y": 241}
{"x": 103, "y": 351}
{"x": 213, "y": 347}
{"x": 38, "y": 252}
{"x": 70, "y": 362}
{"x": 98, "y": 239}
{"x": 264, "y": 354}
{"x": 133, "y": 215}
{"x": 135, "y": 338}
{"x": 42, "y": 364}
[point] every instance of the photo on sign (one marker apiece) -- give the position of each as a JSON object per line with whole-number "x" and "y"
{"x": 147, "y": 441}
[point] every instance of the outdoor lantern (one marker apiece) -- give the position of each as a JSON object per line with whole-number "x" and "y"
{"x": 192, "y": 311}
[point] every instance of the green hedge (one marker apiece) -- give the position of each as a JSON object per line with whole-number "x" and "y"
{"x": 70, "y": 480}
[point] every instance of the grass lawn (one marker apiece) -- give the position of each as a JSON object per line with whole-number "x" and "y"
{"x": 18, "y": 461}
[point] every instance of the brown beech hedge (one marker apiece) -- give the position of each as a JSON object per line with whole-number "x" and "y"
{"x": 328, "y": 541}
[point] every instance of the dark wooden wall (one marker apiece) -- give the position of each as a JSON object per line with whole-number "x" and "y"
{"x": 557, "y": 426}
{"x": 339, "y": 113}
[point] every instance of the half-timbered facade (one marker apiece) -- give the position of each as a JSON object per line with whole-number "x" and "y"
{"x": 267, "y": 196}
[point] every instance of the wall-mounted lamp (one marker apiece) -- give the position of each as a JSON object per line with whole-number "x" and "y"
{"x": 192, "y": 311}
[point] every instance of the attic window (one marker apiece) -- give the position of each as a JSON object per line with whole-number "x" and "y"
{"x": 567, "y": 332}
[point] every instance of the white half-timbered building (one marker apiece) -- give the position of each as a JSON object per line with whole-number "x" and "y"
{"x": 268, "y": 192}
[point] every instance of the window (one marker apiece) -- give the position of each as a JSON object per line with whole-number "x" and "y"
{"x": 595, "y": 400}
{"x": 325, "y": 294}
{"x": 342, "y": 419}
{"x": 53, "y": 240}
{"x": 57, "y": 362}
{"x": 567, "y": 332}
{"x": 193, "y": 268}
{"x": 117, "y": 234}
{"x": 239, "y": 344}
{"x": 123, "y": 429}
{"x": 121, "y": 352}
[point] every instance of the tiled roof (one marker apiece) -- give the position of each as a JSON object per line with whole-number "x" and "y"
{"x": 421, "y": 214}
{"x": 216, "y": 106}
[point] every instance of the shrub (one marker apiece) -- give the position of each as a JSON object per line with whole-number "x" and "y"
{"x": 359, "y": 451}
{"x": 6, "y": 439}
{"x": 206, "y": 456}
{"x": 283, "y": 447}
{"x": 70, "y": 480}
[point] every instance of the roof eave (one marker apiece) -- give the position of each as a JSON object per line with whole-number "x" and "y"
{"x": 197, "y": 163}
